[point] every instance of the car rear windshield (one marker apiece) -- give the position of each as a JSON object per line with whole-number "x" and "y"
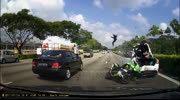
{"x": 51, "y": 53}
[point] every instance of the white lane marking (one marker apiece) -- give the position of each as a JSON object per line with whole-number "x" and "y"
{"x": 7, "y": 83}
{"x": 1, "y": 87}
{"x": 168, "y": 78}
{"x": 51, "y": 91}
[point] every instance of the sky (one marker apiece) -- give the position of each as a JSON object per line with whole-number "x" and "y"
{"x": 125, "y": 18}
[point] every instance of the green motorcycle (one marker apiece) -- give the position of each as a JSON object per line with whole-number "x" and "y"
{"x": 125, "y": 73}
{"x": 137, "y": 67}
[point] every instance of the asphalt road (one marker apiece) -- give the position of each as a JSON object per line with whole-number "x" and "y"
{"x": 93, "y": 75}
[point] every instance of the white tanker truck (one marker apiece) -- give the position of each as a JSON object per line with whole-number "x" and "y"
{"x": 57, "y": 43}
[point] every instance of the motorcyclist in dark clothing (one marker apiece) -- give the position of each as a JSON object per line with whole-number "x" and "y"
{"x": 115, "y": 38}
{"x": 144, "y": 54}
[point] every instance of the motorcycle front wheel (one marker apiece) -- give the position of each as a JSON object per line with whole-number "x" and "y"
{"x": 125, "y": 79}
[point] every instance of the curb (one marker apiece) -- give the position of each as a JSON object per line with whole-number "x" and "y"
{"x": 25, "y": 60}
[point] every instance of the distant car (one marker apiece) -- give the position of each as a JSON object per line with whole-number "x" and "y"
{"x": 8, "y": 56}
{"x": 88, "y": 53}
{"x": 57, "y": 63}
{"x": 95, "y": 51}
{"x": 81, "y": 51}
{"x": 103, "y": 52}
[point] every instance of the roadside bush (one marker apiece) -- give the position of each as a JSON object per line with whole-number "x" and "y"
{"x": 116, "y": 52}
{"x": 169, "y": 64}
{"x": 27, "y": 56}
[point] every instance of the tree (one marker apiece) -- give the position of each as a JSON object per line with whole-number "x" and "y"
{"x": 66, "y": 29}
{"x": 93, "y": 44}
{"x": 154, "y": 30}
{"x": 83, "y": 36}
{"x": 70, "y": 30}
{"x": 127, "y": 46}
{"x": 90, "y": 44}
{"x": 55, "y": 28}
{"x": 138, "y": 40}
{"x": 168, "y": 30}
{"x": 175, "y": 26}
{"x": 21, "y": 27}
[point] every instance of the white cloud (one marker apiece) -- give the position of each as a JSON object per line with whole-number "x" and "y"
{"x": 163, "y": 26}
{"x": 98, "y": 3}
{"x": 103, "y": 32}
{"x": 140, "y": 19}
{"x": 176, "y": 12}
{"x": 48, "y": 10}
{"x": 131, "y": 4}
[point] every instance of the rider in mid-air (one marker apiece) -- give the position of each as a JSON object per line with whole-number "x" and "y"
{"x": 115, "y": 38}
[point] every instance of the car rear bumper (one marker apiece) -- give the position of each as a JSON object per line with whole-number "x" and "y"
{"x": 149, "y": 73}
{"x": 87, "y": 55}
{"x": 50, "y": 71}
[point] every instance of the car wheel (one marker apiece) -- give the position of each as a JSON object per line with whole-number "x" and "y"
{"x": 81, "y": 67}
{"x": 67, "y": 74}
{"x": 16, "y": 60}
{"x": 3, "y": 61}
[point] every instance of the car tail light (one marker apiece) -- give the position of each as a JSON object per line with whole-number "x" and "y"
{"x": 45, "y": 45}
{"x": 56, "y": 65}
{"x": 33, "y": 64}
{"x": 157, "y": 62}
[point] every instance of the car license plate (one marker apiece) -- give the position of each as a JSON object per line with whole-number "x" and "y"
{"x": 42, "y": 64}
